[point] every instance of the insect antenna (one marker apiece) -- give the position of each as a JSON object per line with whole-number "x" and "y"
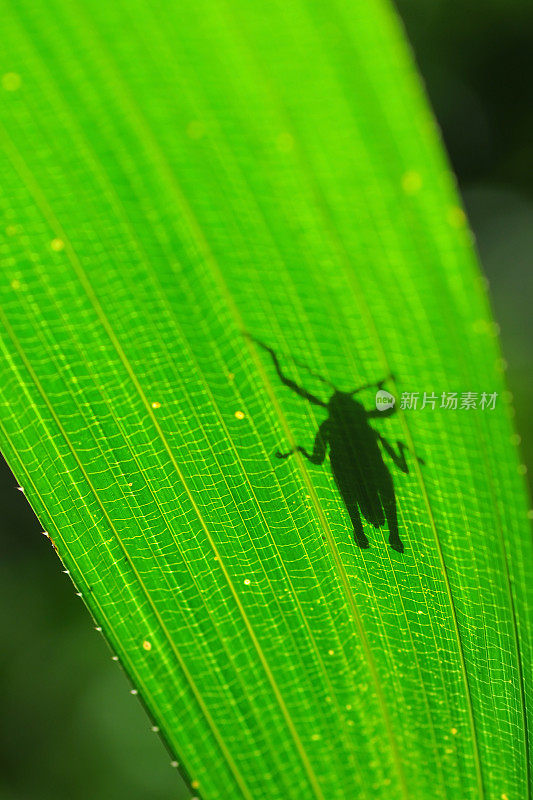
{"x": 313, "y": 374}
{"x": 298, "y": 363}
{"x": 378, "y": 384}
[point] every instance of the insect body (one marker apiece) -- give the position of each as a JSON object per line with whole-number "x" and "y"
{"x": 357, "y": 465}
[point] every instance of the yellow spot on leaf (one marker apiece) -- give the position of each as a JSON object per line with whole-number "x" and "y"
{"x": 501, "y": 365}
{"x": 57, "y": 245}
{"x": 411, "y": 182}
{"x": 456, "y": 217}
{"x": 285, "y": 142}
{"x": 481, "y": 326}
{"x": 11, "y": 81}
{"x": 239, "y": 414}
{"x": 195, "y": 129}
{"x": 155, "y": 404}
{"x": 147, "y": 645}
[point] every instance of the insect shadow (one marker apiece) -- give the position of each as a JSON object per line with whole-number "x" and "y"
{"x": 357, "y": 465}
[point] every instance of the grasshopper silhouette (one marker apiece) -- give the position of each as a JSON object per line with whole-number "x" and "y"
{"x": 357, "y": 464}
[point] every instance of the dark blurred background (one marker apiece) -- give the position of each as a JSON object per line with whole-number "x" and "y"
{"x": 71, "y": 729}
{"x": 476, "y": 59}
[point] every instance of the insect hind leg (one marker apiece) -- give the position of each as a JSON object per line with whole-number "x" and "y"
{"x": 358, "y": 533}
{"x": 389, "y": 506}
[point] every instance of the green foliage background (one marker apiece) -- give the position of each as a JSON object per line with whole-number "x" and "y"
{"x": 92, "y": 742}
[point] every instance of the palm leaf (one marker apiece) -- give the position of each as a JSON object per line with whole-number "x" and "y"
{"x": 175, "y": 177}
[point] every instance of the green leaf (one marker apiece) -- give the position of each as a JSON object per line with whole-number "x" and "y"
{"x": 173, "y": 176}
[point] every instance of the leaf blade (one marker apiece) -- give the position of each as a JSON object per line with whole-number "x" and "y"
{"x": 281, "y": 207}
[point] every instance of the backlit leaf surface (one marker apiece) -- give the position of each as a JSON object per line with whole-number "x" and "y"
{"x": 174, "y": 175}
